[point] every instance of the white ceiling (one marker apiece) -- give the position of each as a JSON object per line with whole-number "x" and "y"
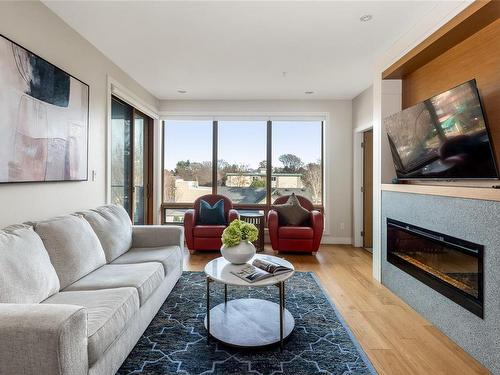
{"x": 240, "y": 49}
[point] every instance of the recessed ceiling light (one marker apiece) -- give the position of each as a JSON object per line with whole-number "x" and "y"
{"x": 308, "y": 92}
{"x": 366, "y": 18}
{"x": 182, "y": 91}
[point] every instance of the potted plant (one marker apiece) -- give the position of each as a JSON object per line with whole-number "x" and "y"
{"x": 237, "y": 238}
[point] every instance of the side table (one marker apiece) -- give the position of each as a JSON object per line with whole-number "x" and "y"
{"x": 256, "y": 219}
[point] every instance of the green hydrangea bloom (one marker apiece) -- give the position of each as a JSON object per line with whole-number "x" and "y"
{"x": 238, "y": 231}
{"x": 249, "y": 232}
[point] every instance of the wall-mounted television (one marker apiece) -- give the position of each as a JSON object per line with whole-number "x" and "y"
{"x": 445, "y": 137}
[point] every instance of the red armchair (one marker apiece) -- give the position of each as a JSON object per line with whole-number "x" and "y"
{"x": 306, "y": 237}
{"x": 206, "y": 237}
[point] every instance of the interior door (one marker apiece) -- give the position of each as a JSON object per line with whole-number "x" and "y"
{"x": 131, "y": 161}
{"x": 368, "y": 189}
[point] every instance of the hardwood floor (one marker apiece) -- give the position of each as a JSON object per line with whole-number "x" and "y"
{"x": 396, "y": 339}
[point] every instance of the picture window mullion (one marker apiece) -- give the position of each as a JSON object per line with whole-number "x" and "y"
{"x": 215, "y": 145}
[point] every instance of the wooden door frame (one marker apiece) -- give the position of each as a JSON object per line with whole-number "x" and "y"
{"x": 149, "y": 139}
{"x": 150, "y": 217}
{"x": 367, "y": 232}
{"x": 358, "y": 182}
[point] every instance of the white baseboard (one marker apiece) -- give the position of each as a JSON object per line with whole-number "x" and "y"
{"x": 326, "y": 240}
{"x": 329, "y": 240}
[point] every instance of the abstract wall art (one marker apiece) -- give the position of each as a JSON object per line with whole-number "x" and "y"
{"x": 44, "y": 119}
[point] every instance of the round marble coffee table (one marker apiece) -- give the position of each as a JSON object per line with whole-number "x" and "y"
{"x": 247, "y": 322}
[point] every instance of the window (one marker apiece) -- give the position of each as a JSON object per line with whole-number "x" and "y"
{"x": 174, "y": 215}
{"x": 257, "y": 161}
{"x": 297, "y": 159}
{"x": 187, "y": 172}
{"x": 241, "y": 171}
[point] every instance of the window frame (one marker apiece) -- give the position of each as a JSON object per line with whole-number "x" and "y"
{"x": 215, "y": 144}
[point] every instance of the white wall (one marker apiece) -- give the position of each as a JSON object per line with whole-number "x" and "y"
{"x": 35, "y": 27}
{"x": 338, "y": 147}
{"x": 362, "y": 119}
{"x": 362, "y": 110}
{"x": 391, "y": 103}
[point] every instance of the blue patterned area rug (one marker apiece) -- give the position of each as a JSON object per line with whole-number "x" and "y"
{"x": 175, "y": 341}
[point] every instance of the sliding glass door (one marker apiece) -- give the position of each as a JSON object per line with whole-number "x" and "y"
{"x": 121, "y": 163}
{"x": 131, "y": 161}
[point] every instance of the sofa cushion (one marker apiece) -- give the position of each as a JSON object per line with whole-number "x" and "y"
{"x": 169, "y": 256}
{"x": 26, "y": 274}
{"x": 73, "y": 247}
{"x": 113, "y": 227}
{"x": 296, "y": 232}
{"x": 208, "y": 230}
{"x": 108, "y": 312}
{"x": 145, "y": 277}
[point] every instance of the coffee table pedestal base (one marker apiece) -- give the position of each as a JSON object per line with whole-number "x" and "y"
{"x": 249, "y": 323}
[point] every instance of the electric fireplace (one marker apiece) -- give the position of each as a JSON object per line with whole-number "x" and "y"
{"x": 451, "y": 266}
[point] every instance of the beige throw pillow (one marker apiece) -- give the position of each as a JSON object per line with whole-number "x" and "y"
{"x": 73, "y": 247}
{"x": 291, "y": 212}
{"x": 113, "y": 228}
{"x": 26, "y": 274}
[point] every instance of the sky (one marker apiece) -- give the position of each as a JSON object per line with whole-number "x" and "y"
{"x": 241, "y": 142}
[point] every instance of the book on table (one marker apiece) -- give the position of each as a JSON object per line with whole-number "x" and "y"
{"x": 260, "y": 269}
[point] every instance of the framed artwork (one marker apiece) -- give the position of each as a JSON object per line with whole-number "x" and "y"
{"x": 44, "y": 119}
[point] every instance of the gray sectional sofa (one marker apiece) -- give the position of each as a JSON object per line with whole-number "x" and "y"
{"x": 78, "y": 291}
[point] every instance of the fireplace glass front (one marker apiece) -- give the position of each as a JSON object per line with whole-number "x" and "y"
{"x": 451, "y": 266}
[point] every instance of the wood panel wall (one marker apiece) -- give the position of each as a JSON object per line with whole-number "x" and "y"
{"x": 476, "y": 57}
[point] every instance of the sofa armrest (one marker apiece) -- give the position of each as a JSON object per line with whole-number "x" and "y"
{"x": 157, "y": 236}
{"x": 43, "y": 339}
{"x": 317, "y": 223}
{"x": 232, "y": 215}
{"x": 273, "y": 225}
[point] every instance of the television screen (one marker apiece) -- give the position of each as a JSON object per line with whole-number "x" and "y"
{"x": 444, "y": 137}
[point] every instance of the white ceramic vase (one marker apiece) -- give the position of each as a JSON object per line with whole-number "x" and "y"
{"x": 238, "y": 254}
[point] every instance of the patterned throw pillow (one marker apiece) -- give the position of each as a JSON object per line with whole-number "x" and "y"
{"x": 291, "y": 212}
{"x": 212, "y": 215}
